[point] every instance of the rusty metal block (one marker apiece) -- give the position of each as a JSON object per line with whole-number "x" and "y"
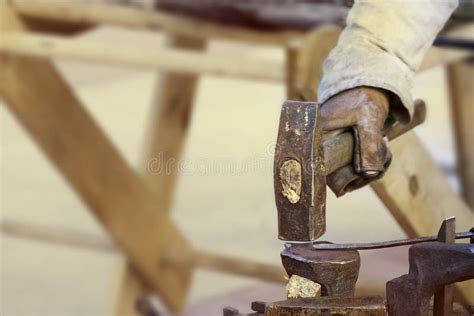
{"x": 347, "y": 306}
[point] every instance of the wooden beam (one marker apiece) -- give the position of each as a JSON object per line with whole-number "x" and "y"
{"x": 53, "y": 235}
{"x": 227, "y": 264}
{"x": 460, "y": 78}
{"x": 189, "y": 62}
{"x": 304, "y": 62}
{"x": 48, "y": 109}
{"x": 418, "y": 195}
{"x": 167, "y": 59}
{"x": 171, "y": 116}
{"x": 96, "y": 13}
{"x": 185, "y": 260}
{"x": 45, "y": 106}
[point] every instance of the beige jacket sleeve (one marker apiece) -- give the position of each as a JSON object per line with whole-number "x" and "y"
{"x": 383, "y": 46}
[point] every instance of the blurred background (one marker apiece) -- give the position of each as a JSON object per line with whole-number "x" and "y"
{"x": 229, "y": 209}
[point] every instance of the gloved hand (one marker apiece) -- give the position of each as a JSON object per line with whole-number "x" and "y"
{"x": 365, "y": 111}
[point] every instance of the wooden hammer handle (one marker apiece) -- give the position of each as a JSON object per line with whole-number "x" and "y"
{"x": 338, "y": 151}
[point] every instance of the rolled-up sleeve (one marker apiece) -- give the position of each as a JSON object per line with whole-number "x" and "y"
{"x": 383, "y": 46}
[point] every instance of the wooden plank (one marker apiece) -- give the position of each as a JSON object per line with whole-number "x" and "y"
{"x": 97, "y": 13}
{"x": 171, "y": 114}
{"x": 167, "y": 59}
{"x": 461, "y": 82}
{"x": 51, "y": 113}
{"x": 418, "y": 195}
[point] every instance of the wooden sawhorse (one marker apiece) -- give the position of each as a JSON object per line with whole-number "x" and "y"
{"x": 134, "y": 208}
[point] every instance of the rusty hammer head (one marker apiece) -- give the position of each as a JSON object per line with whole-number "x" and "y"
{"x": 302, "y": 162}
{"x": 299, "y": 173}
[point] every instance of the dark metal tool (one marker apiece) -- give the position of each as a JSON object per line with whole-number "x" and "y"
{"x": 302, "y": 162}
{"x": 443, "y": 297}
{"x": 432, "y": 266}
{"x": 144, "y": 307}
{"x": 387, "y": 244}
{"x": 454, "y": 42}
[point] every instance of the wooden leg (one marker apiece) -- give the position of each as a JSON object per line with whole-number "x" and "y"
{"x": 48, "y": 109}
{"x": 117, "y": 196}
{"x": 172, "y": 109}
{"x": 171, "y": 115}
{"x": 418, "y": 195}
{"x": 304, "y": 62}
{"x": 461, "y": 83}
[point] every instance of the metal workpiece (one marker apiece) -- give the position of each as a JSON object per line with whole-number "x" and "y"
{"x": 299, "y": 175}
{"x": 388, "y": 244}
{"x": 432, "y": 266}
{"x": 335, "y": 271}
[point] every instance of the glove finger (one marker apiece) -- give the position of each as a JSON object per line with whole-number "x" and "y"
{"x": 336, "y": 115}
{"x": 370, "y": 152}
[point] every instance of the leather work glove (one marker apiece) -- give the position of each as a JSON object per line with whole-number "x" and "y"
{"x": 364, "y": 110}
